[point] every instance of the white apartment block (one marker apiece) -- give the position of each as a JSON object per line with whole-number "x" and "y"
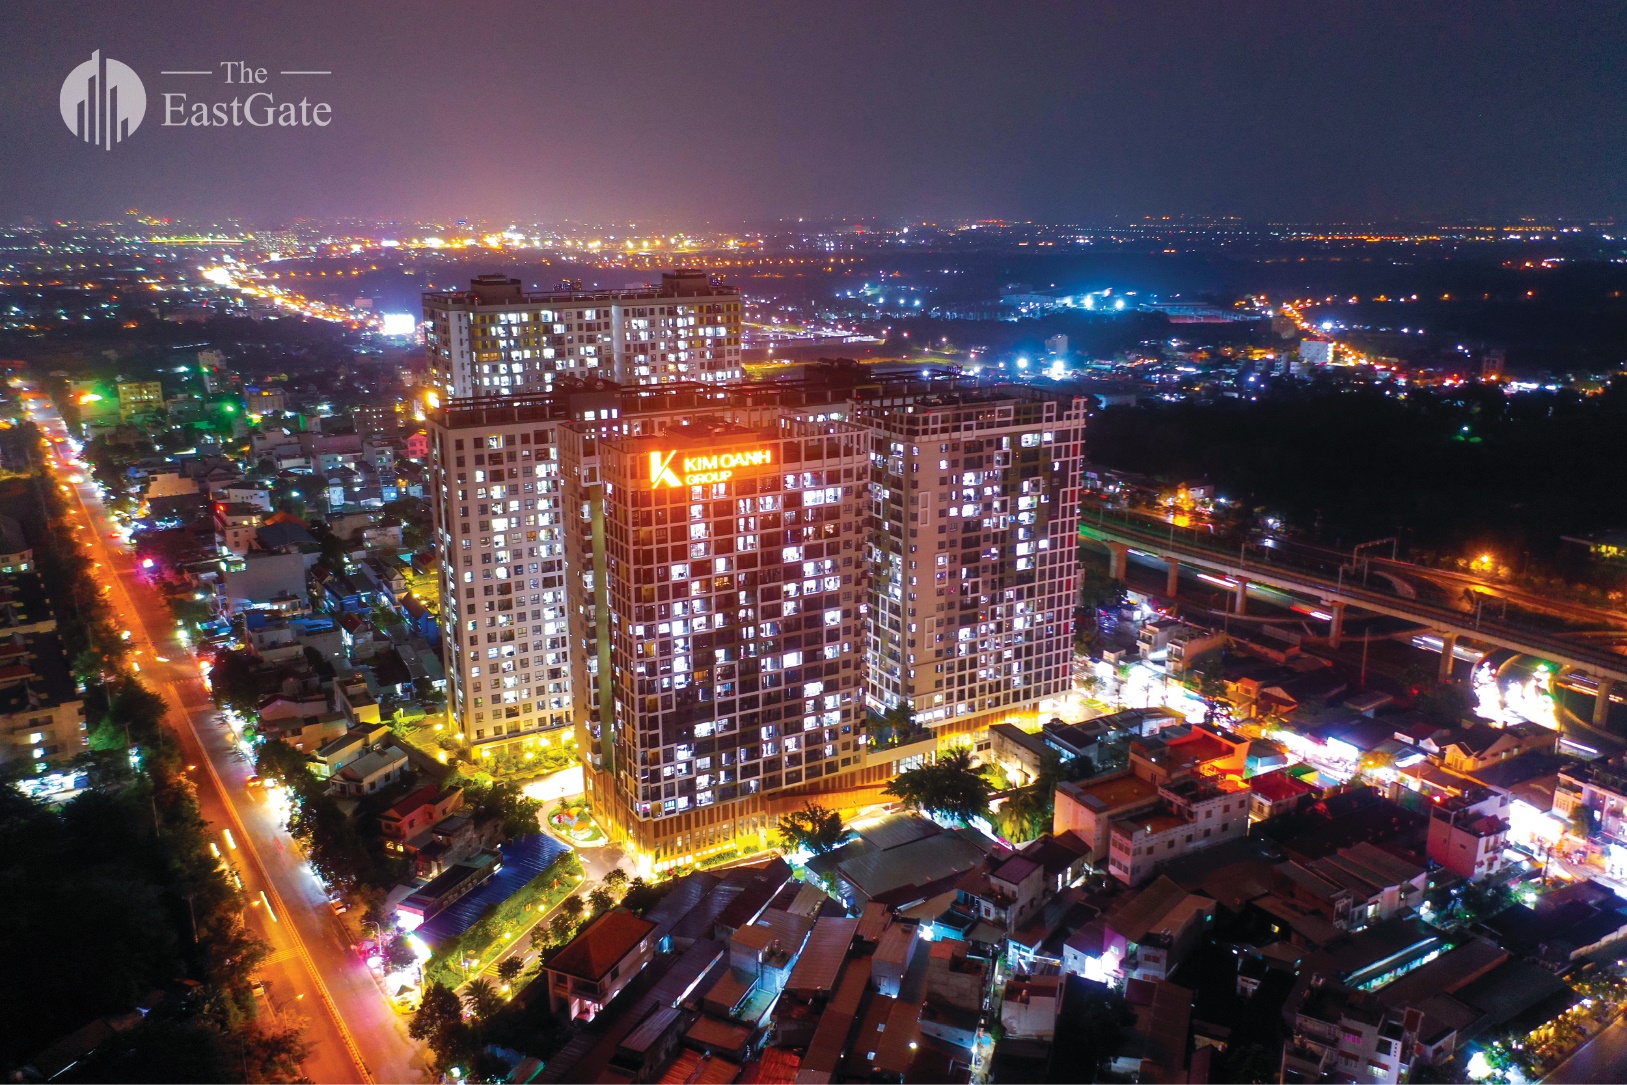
{"x": 975, "y": 512}
{"x": 495, "y": 339}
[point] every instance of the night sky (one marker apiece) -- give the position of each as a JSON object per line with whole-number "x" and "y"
{"x": 746, "y": 112}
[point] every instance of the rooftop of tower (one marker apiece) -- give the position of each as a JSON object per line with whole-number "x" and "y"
{"x": 502, "y": 291}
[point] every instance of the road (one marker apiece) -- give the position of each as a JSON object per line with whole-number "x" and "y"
{"x": 1601, "y": 1059}
{"x": 312, "y": 973}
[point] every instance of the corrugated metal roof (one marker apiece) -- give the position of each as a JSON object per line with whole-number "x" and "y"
{"x": 830, "y": 1037}
{"x": 873, "y": 921}
{"x": 901, "y": 829}
{"x": 919, "y": 862}
{"x": 821, "y": 960}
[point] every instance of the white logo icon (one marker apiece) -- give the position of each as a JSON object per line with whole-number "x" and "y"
{"x": 103, "y": 101}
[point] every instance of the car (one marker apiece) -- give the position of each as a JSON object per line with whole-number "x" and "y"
{"x": 255, "y": 781}
{"x": 339, "y": 906}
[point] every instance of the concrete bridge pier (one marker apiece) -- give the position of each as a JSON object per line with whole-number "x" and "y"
{"x": 1449, "y": 644}
{"x": 1601, "y": 703}
{"x": 1241, "y": 603}
{"x": 1337, "y": 631}
{"x": 1172, "y": 587}
{"x": 1118, "y": 561}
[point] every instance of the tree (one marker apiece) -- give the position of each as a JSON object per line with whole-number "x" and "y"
{"x": 561, "y": 926}
{"x": 504, "y": 800}
{"x": 509, "y": 969}
{"x": 893, "y": 727}
{"x": 600, "y": 900}
{"x": 233, "y": 682}
{"x": 482, "y": 998}
{"x": 399, "y": 954}
{"x": 1446, "y": 704}
{"x": 641, "y": 896}
{"x": 573, "y": 906}
{"x": 949, "y": 786}
{"x": 814, "y": 828}
{"x": 1027, "y": 813}
{"x": 438, "y": 1011}
{"x": 1581, "y": 821}
{"x": 540, "y": 938}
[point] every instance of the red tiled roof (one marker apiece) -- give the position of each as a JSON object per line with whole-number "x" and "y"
{"x": 424, "y": 796}
{"x": 601, "y": 944}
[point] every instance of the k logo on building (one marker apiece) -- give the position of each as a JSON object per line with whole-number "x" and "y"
{"x": 103, "y": 101}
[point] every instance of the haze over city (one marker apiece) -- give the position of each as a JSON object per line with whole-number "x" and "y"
{"x": 729, "y": 113}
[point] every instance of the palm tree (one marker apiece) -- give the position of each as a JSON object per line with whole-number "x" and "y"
{"x": 482, "y": 998}
{"x": 509, "y": 969}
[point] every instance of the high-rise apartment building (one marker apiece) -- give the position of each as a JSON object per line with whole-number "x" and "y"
{"x": 975, "y": 499}
{"x": 501, "y": 525}
{"x": 706, "y": 585}
{"x": 725, "y": 555}
{"x": 497, "y": 339}
{"x": 498, "y": 525}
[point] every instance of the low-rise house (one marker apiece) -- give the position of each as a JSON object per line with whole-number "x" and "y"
{"x": 1601, "y": 786}
{"x": 1020, "y": 754}
{"x": 16, "y": 556}
{"x": 1006, "y": 894}
{"x": 1151, "y": 932}
{"x": 1480, "y": 745}
{"x": 41, "y": 713}
{"x": 307, "y": 734}
{"x": 1356, "y": 886}
{"x": 1468, "y": 833}
{"x": 1563, "y": 925}
{"x": 1156, "y": 1046}
{"x": 595, "y": 965}
{"x": 370, "y": 773}
{"x": 952, "y": 1003}
{"x": 1277, "y": 793}
{"x": 235, "y": 526}
{"x": 1347, "y": 1034}
{"x": 406, "y": 825}
{"x": 1192, "y": 814}
{"x": 1089, "y": 807}
{"x": 1028, "y": 1006}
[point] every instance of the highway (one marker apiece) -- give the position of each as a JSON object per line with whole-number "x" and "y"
{"x": 312, "y": 972}
{"x": 1185, "y": 546}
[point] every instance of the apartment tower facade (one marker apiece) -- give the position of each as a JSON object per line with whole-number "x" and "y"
{"x": 726, "y": 551}
{"x": 498, "y": 339}
{"x": 975, "y": 519}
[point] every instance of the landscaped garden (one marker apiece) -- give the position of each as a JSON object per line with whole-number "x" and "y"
{"x": 574, "y": 821}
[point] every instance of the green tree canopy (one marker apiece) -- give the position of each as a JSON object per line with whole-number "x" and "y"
{"x": 233, "y": 681}
{"x": 814, "y": 828}
{"x": 950, "y": 786}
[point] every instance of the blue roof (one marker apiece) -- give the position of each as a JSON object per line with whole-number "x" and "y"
{"x": 523, "y": 859}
